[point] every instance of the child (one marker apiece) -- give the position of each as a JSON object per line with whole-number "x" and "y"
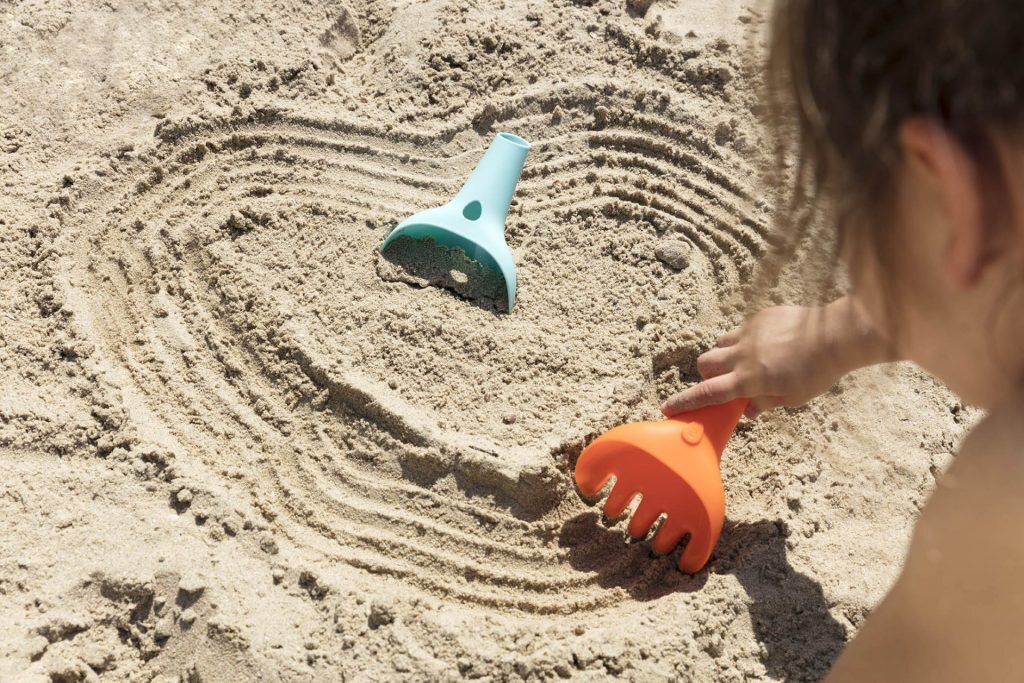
{"x": 906, "y": 117}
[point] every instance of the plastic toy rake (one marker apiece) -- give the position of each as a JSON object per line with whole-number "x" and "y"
{"x": 474, "y": 220}
{"x": 675, "y": 465}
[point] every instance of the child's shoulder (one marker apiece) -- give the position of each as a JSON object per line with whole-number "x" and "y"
{"x": 957, "y": 611}
{"x": 961, "y": 582}
{"x": 979, "y": 500}
{"x": 993, "y": 453}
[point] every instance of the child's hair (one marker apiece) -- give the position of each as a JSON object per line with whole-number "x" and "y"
{"x": 843, "y": 75}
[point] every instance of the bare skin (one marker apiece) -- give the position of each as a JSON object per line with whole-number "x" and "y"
{"x": 784, "y": 356}
{"x": 957, "y": 610}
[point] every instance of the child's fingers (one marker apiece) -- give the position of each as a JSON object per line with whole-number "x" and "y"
{"x": 717, "y": 361}
{"x": 729, "y": 338}
{"x": 762, "y": 403}
{"x": 720, "y": 389}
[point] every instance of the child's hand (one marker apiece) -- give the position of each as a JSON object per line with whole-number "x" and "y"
{"x": 783, "y": 356}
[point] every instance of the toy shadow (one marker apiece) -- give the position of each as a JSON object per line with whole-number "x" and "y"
{"x": 425, "y": 263}
{"x": 788, "y": 610}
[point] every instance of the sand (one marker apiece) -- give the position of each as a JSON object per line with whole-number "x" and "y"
{"x": 240, "y": 444}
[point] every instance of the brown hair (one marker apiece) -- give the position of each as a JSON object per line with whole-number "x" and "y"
{"x": 842, "y": 76}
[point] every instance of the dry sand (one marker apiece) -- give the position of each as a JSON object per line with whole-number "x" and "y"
{"x": 238, "y": 444}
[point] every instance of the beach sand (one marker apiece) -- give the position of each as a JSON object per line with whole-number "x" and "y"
{"x": 237, "y": 443}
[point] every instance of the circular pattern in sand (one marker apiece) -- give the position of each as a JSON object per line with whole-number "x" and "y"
{"x": 415, "y": 431}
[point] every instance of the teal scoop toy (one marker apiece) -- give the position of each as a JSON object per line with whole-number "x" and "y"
{"x": 474, "y": 220}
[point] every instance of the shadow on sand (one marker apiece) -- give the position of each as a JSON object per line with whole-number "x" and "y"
{"x": 788, "y": 610}
{"x": 424, "y": 263}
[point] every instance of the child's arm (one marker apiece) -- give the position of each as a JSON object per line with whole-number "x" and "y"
{"x": 955, "y": 614}
{"x": 784, "y": 356}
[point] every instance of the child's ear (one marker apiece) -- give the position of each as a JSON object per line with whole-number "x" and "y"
{"x": 944, "y": 164}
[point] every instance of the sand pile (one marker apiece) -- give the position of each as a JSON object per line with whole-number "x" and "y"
{"x": 241, "y": 444}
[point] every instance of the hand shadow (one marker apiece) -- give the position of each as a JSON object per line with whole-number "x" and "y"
{"x": 788, "y": 610}
{"x": 425, "y": 263}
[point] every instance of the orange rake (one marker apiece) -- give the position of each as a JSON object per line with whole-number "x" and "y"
{"x": 675, "y": 465}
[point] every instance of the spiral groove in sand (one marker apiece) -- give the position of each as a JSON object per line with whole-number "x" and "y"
{"x": 346, "y": 396}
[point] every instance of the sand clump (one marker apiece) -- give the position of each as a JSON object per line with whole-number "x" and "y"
{"x": 241, "y": 444}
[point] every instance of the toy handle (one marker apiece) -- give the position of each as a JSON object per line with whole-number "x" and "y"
{"x": 717, "y": 422}
{"x": 489, "y": 189}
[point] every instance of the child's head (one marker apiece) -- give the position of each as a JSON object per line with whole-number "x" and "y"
{"x": 905, "y": 118}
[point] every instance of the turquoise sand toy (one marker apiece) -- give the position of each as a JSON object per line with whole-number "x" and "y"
{"x": 474, "y": 220}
